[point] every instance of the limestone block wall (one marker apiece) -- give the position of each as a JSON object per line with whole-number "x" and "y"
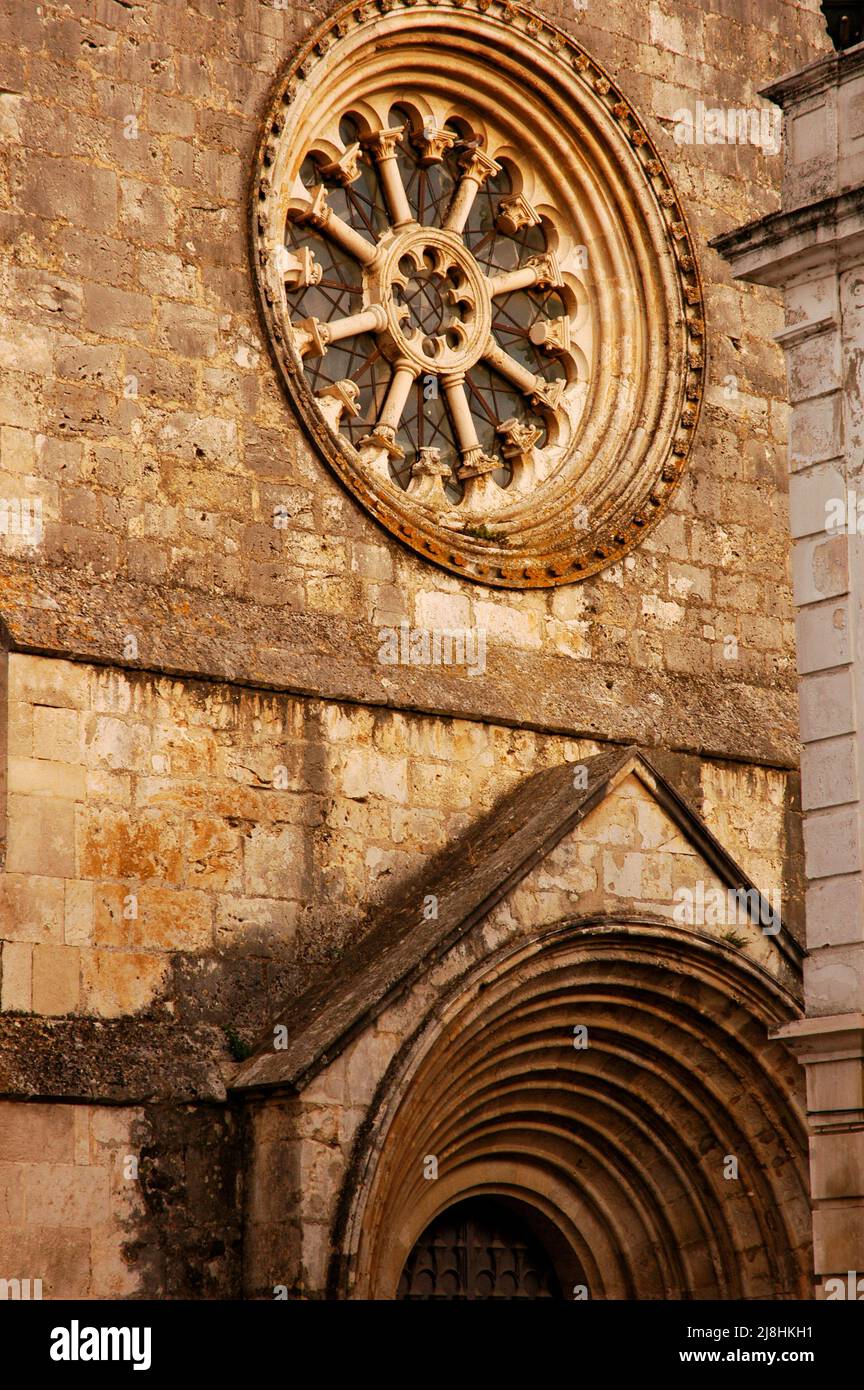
{"x": 68, "y": 1198}
{"x": 200, "y": 848}
{"x": 120, "y": 1201}
{"x": 181, "y": 858}
{"x": 140, "y": 409}
{"x": 212, "y": 778}
{"x": 814, "y": 250}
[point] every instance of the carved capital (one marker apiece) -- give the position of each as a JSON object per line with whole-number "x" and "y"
{"x": 317, "y": 212}
{"x": 338, "y": 399}
{"x": 548, "y": 270}
{"x": 432, "y": 144}
{"x": 478, "y": 166}
{"x": 428, "y": 464}
{"x": 382, "y": 437}
{"x": 548, "y": 393}
{"x": 312, "y": 337}
{"x": 382, "y": 145}
{"x": 518, "y": 447}
{"x": 346, "y": 168}
{"x": 518, "y": 439}
{"x": 551, "y": 335}
{"x": 427, "y": 479}
{"x": 476, "y": 464}
{"x": 298, "y": 268}
{"x": 515, "y": 212}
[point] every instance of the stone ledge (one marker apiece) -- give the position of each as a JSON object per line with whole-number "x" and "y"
{"x": 819, "y": 76}
{"x": 824, "y": 1038}
{"x": 53, "y": 613}
{"x": 123, "y": 1061}
{"x": 764, "y": 251}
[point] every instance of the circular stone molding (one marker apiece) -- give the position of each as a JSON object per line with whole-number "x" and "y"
{"x": 479, "y": 287}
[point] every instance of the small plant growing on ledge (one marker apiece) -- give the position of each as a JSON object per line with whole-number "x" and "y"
{"x": 735, "y": 939}
{"x": 236, "y": 1046}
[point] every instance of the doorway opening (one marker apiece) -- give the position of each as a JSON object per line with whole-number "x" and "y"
{"x": 481, "y": 1248}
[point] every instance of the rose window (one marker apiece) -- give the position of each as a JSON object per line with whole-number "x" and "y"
{"x": 481, "y": 292}
{"x": 430, "y": 291}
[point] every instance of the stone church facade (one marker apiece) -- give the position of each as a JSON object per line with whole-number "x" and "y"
{"x": 403, "y": 877}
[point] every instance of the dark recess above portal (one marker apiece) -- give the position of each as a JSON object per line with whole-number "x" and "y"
{"x": 845, "y": 22}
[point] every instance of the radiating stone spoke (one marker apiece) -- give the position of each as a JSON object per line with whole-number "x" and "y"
{"x": 460, "y": 414}
{"x": 539, "y": 272}
{"x": 382, "y": 147}
{"x": 383, "y": 436}
{"x": 477, "y": 467}
{"x": 477, "y": 167}
{"x": 531, "y": 384}
{"x": 314, "y": 337}
{"x": 320, "y": 215}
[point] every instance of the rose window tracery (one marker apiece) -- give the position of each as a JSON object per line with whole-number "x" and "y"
{"x": 483, "y": 299}
{"x": 431, "y": 291}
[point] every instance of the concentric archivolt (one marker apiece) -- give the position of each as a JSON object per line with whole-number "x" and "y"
{"x": 480, "y": 288}
{"x": 621, "y": 1146}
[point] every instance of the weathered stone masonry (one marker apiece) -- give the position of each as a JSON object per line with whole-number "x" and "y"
{"x": 214, "y": 790}
{"x": 813, "y": 249}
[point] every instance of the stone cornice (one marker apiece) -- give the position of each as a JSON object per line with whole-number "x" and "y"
{"x": 818, "y": 76}
{"x": 799, "y": 332}
{"x": 122, "y": 1061}
{"x": 818, "y": 234}
{"x": 830, "y": 1038}
{"x": 217, "y": 638}
{"x": 830, "y": 1046}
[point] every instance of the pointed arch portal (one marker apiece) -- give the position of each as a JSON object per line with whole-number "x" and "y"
{"x": 623, "y": 1151}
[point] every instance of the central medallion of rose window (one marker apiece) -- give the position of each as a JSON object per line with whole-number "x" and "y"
{"x": 427, "y": 290}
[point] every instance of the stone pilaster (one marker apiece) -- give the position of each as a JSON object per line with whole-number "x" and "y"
{"x": 814, "y": 251}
